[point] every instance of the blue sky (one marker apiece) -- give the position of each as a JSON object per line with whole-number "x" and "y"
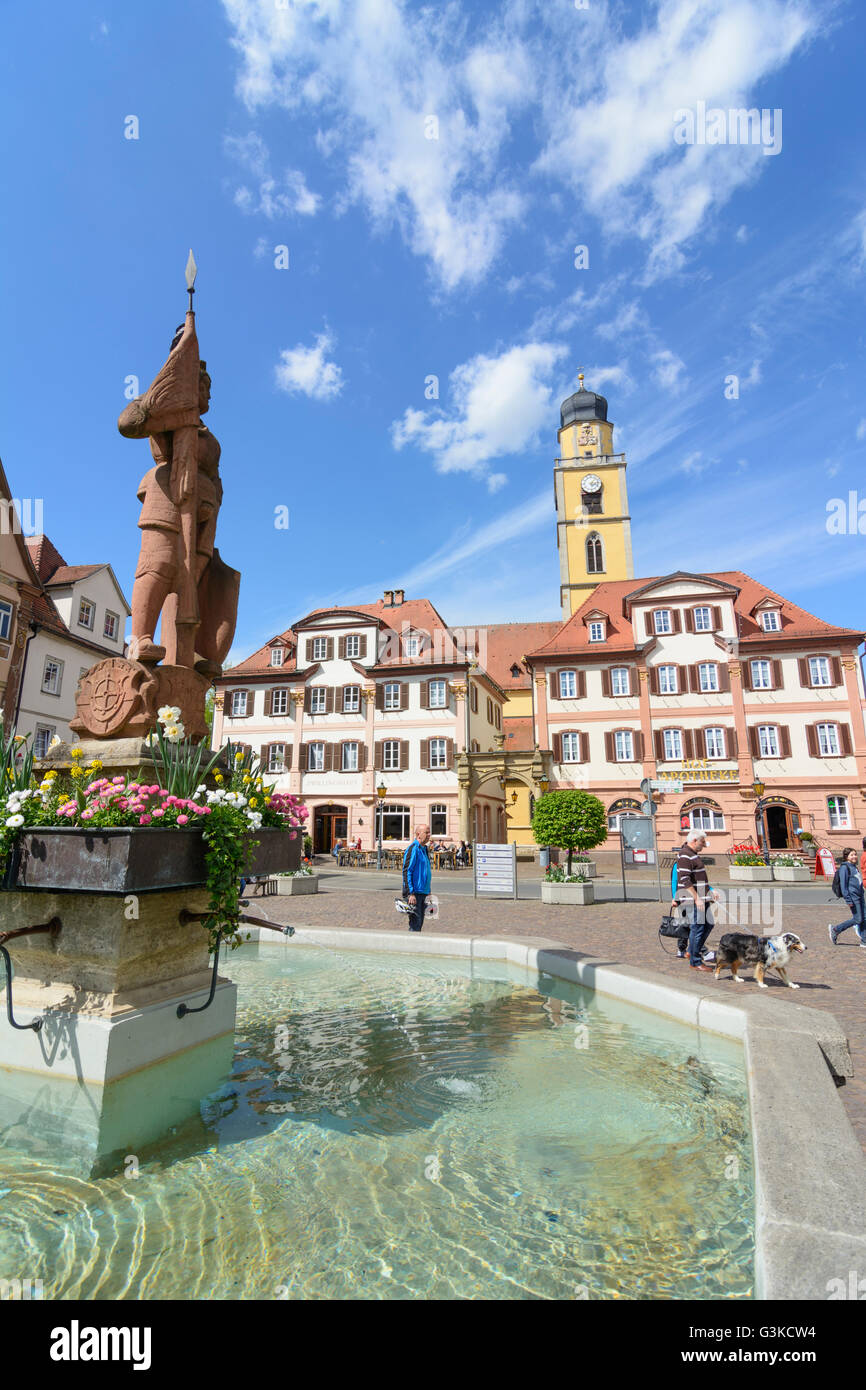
{"x": 263, "y": 124}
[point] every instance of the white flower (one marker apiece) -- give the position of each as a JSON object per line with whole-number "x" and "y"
{"x": 169, "y": 714}
{"x": 200, "y": 790}
{"x": 174, "y": 732}
{"x": 14, "y": 821}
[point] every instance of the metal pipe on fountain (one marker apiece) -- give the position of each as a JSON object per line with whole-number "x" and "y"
{"x": 185, "y": 916}
{"x": 51, "y": 927}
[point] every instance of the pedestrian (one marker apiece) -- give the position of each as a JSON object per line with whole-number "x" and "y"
{"x": 851, "y": 884}
{"x": 863, "y": 861}
{"x": 416, "y": 877}
{"x": 679, "y": 909}
{"x": 692, "y": 884}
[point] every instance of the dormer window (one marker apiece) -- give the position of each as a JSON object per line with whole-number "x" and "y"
{"x": 515, "y": 671}
{"x": 276, "y": 656}
{"x": 413, "y": 645}
{"x": 596, "y": 631}
{"x": 770, "y": 620}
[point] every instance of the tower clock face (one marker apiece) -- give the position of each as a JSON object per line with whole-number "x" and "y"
{"x": 591, "y": 483}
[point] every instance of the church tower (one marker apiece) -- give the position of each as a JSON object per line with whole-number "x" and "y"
{"x": 593, "y": 526}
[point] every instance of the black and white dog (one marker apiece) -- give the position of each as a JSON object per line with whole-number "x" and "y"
{"x": 763, "y": 952}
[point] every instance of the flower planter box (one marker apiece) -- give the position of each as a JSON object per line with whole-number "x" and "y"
{"x": 792, "y": 873}
{"x": 130, "y": 860}
{"x": 751, "y": 873}
{"x": 572, "y": 893}
{"x": 305, "y": 883}
{"x": 583, "y": 866}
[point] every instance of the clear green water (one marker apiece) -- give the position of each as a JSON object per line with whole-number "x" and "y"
{"x": 398, "y": 1128}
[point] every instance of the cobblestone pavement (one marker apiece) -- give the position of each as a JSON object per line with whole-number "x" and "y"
{"x": 831, "y": 978}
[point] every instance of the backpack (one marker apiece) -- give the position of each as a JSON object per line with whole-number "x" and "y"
{"x": 836, "y": 885}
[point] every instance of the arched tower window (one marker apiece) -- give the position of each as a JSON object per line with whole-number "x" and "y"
{"x": 594, "y": 554}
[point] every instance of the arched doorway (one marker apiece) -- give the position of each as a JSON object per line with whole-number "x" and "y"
{"x": 330, "y": 823}
{"x": 781, "y": 816}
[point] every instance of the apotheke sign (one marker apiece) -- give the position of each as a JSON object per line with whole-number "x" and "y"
{"x": 697, "y": 770}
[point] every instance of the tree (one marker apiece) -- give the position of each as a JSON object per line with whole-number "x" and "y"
{"x": 569, "y": 820}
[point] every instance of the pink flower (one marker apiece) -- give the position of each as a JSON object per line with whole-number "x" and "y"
{"x": 293, "y": 835}
{"x": 158, "y": 813}
{"x": 86, "y": 815}
{"x": 118, "y": 781}
{"x": 145, "y": 820}
{"x": 182, "y": 820}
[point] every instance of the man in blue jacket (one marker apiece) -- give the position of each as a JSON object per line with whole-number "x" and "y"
{"x": 416, "y": 877}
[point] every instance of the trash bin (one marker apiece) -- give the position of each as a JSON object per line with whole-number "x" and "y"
{"x": 544, "y": 858}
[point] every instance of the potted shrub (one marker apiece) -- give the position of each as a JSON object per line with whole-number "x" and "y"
{"x": 789, "y": 868}
{"x": 570, "y": 821}
{"x": 81, "y": 832}
{"x": 747, "y": 864}
{"x": 296, "y": 881}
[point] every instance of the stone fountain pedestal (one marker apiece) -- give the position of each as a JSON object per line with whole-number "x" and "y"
{"x": 113, "y": 1067}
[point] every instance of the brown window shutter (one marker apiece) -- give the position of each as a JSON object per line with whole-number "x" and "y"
{"x": 746, "y": 674}
{"x": 584, "y": 748}
{"x": 309, "y": 650}
{"x": 683, "y": 682}
{"x": 556, "y": 742}
{"x": 701, "y": 742}
{"x": 553, "y": 685}
{"x": 581, "y": 685}
{"x": 637, "y": 736}
{"x": 649, "y": 622}
{"x": 836, "y": 670}
{"x": 717, "y": 619}
{"x": 264, "y": 756}
{"x": 380, "y": 697}
{"x": 329, "y": 650}
{"x": 731, "y": 742}
{"x": 605, "y": 682}
{"x": 653, "y": 680}
{"x": 343, "y": 698}
{"x": 688, "y": 738}
{"x": 803, "y": 668}
{"x": 378, "y": 755}
{"x": 633, "y": 681}
{"x": 341, "y": 648}
{"x": 676, "y": 620}
{"x": 425, "y": 754}
{"x": 329, "y": 699}
{"x": 287, "y": 756}
{"x": 302, "y": 758}
{"x": 449, "y": 752}
{"x": 812, "y": 741}
{"x": 404, "y": 754}
{"x": 694, "y": 679}
{"x": 784, "y": 741}
{"x": 362, "y": 646}
{"x": 754, "y": 742}
{"x": 659, "y": 745}
{"x": 404, "y": 695}
{"x": 269, "y": 698}
{"x": 777, "y": 675}
{"x": 845, "y": 748}
{"x": 724, "y": 675}
{"x": 609, "y": 748}
{"x": 308, "y": 695}
{"x": 425, "y": 694}
{"x": 689, "y": 619}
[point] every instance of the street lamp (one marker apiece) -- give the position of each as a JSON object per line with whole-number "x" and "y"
{"x": 544, "y": 783}
{"x": 758, "y": 789}
{"x": 381, "y": 792}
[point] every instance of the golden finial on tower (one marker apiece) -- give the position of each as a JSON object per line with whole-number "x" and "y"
{"x": 580, "y": 380}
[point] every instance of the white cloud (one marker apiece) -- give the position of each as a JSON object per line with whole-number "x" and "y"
{"x": 616, "y": 375}
{"x": 668, "y": 369}
{"x": 307, "y": 371}
{"x": 742, "y": 233}
{"x": 499, "y": 406}
{"x": 694, "y": 463}
{"x": 861, "y": 430}
{"x": 273, "y": 198}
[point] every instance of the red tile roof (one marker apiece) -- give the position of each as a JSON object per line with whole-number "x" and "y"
{"x": 519, "y": 735}
{"x": 69, "y": 574}
{"x": 259, "y": 662}
{"x": 507, "y": 644}
{"x": 46, "y": 559}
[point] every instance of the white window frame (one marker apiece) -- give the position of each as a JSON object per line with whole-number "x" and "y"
{"x": 355, "y": 706}
{"x": 770, "y": 621}
{"x": 354, "y": 639}
{"x": 672, "y": 740}
{"x": 391, "y": 755}
{"x": 623, "y": 672}
{"x": 315, "y": 757}
{"x": 622, "y": 739}
{"x": 320, "y": 642}
{"x": 92, "y": 606}
{"x": 820, "y": 664}
{"x": 54, "y": 686}
{"x": 568, "y": 685}
{"x": 115, "y": 619}
{"x": 318, "y": 697}
{"x": 441, "y": 688}
{"x": 238, "y": 709}
{"x": 391, "y": 689}
{"x": 701, "y": 626}
{"x": 662, "y": 622}
{"x": 706, "y": 818}
{"x": 823, "y": 732}
{"x": 348, "y": 750}
{"x": 614, "y": 822}
{"x": 768, "y": 741}
{"x": 708, "y": 670}
{"x": 6, "y": 611}
{"x": 723, "y": 741}
{"x": 440, "y": 809}
{"x": 761, "y": 667}
{"x": 596, "y": 631}
{"x": 280, "y": 696}
{"x": 839, "y": 812}
{"x": 675, "y": 678}
{"x": 276, "y": 656}
{"x": 393, "y": 809}
{"x": 413, "y": 644}
{"x": 277, "y": 757}
{"x": 439, "y": 761}
{"x": 48, "y": 730}
{"x": 571, "y": 748}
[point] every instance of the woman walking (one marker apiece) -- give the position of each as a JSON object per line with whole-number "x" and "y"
{"x": 851, "y": 884}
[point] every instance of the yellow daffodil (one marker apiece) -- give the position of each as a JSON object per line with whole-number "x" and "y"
{"x": 247, "y": 778}
{"x": 218, "y": 777}
{"x": 239, "y": 757}
{"x": 253, "y": 801}
{"x": 267, "y": 801}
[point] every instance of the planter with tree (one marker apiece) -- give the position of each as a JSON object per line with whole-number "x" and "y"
{"x": 570, "y": 821}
